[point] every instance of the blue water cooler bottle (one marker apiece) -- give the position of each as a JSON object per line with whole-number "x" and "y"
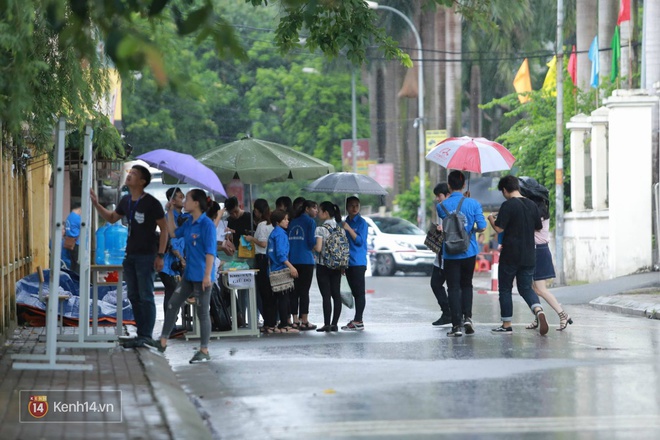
{"x": 100, "y": 256}
{"x": 115, "y": 243}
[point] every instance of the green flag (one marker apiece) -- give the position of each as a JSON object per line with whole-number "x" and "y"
{"x": 616, "y": 54}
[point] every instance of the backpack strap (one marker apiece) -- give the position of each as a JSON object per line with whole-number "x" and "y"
{"x": 458, "y": 208}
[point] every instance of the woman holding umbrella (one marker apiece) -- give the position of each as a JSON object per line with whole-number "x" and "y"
{"x": 356, "y": 230}
{"x": 200, "y": 248}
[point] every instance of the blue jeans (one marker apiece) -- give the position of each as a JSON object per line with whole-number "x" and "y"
{"x": 139, "y": 275}
{"x": 524, "y": 276}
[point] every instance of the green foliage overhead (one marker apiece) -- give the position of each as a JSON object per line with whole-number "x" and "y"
{"x": 43, "y": 77}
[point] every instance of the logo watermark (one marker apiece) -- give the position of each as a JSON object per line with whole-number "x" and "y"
{"x": 70, "y": 406}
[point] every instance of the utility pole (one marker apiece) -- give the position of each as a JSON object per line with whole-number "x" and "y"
{"x": 559, "y": 170}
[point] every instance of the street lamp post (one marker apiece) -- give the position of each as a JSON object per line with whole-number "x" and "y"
{"x": 419, "y": 122}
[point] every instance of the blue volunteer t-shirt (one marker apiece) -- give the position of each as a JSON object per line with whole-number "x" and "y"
{"x": 200, "y": 238}
{"x": 302, "y": 238}
{"x": 473, "y": 214}
{"x": 358, "y": 247}
{"x": 278, "y": 249}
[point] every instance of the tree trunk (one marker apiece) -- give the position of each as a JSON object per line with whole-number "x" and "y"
{"x": 453, "y": 78}
{"x": 475, "y": 100}
{"x": 608, "y": 11}
{"x": 437, "y": 115}
{"x": 652, "y": 43}
{"x": 587, "y": 26}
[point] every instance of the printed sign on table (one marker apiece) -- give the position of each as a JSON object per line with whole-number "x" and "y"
{"x": 240, "y": 279}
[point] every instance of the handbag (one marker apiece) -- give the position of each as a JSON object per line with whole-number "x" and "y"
{"x": 69, "y": 242}
{"x": 281, "y": 280}
{"x": 245, "y": 251}
{"x": 433, "y": 239}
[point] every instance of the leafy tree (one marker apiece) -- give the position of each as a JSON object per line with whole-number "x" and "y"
{"x": 43, "y": 77}
{"x": 407, "y": 202}
{"x": 531, "y": 137}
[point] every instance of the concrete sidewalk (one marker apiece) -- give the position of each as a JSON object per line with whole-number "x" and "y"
{"x": 153, "y": 404}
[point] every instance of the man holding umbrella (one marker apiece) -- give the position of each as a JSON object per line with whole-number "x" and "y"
{"x": 459, "y": 268}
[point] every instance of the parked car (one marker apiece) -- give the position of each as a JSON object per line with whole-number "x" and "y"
{"x": 396, "y": 244}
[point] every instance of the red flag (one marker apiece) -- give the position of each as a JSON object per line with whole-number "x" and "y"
{"x": 624, "y": 12}
{"x": 572, "y": 66}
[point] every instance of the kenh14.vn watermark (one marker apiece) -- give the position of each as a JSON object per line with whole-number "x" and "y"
{"x": 72, "y": 406}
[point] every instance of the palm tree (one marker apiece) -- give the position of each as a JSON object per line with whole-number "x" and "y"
{"x": 587, "y": 27}
{"x": 652, "y": 44}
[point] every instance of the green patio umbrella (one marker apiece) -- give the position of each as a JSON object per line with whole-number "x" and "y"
{"x": 256, "y": 161}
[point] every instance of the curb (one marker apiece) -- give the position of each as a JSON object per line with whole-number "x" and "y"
{"x": 627, "y": 306}
{"x": 178, "y": 412}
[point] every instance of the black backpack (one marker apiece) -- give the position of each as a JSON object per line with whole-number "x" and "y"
{"x": 456, "y": 238}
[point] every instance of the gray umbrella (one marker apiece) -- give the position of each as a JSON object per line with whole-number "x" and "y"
{"x": 347, "y": 183}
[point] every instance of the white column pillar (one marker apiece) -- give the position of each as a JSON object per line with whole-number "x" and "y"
{"x": 580, "y": 128}
{"x": 632, "y": 119}
{"x": 599, "y": 120}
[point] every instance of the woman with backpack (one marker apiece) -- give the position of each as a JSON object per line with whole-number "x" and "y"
{"x": 330, "y": 238}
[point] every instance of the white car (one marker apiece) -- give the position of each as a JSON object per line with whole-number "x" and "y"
{"x": 396, "y": 244}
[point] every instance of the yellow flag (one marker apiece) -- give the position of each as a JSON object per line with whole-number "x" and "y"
{"x": 550, "y": 82}
{"x": 523, "y": 82}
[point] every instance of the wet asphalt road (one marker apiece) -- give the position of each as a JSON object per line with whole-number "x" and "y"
{"x": 402, "y": 378}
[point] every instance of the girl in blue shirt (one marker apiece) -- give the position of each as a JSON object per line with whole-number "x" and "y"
{"x": 199, "y": 235}
{"x": 302, "y": 239}
{"x": 356, "y": 230}
{"x": 278, "y": 259}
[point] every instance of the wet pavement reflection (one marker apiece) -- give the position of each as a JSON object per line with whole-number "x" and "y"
{"x": 403, "y": 378}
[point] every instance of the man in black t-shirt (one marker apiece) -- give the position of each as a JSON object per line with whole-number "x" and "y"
{"x": 518, "y": 218}
{"x": 144, "y": 249}
{"x": 240, "y": 221}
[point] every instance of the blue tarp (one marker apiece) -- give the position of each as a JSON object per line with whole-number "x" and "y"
{"x": 27, "y": 294}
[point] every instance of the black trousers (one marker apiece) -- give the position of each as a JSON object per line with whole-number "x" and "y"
{"x": 268, "y": 301}
{"x": 437, "y": 285}
{"x": 299, "y": 297}
{"x": 459, "y": 275}
{"x": 355, "y": 278}
{"x": 329, "y": 281}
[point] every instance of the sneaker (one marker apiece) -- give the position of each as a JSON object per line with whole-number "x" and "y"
{"x": 200, "y": 357}
{"x": 443, "y": 320}
{"x": 353, "y": 326}
{"x": 455, "y": 332}
{"x": 155, "y": 344}
{"x": 469, "y": 327}
{"x": 543, "y": 323}
{"x": 503, "y": 330}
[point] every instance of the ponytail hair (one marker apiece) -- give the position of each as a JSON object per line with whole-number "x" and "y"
{"x": 213, "y": 209}
{"x": 303, "y": 207}
{"x": 331, "y": 209}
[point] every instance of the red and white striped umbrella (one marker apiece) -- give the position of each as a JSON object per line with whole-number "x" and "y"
{"x": 478, "y": 155}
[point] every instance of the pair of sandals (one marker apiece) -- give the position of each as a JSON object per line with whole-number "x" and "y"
{"x": 303, "y": 326}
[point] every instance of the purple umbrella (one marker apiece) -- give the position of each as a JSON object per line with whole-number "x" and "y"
{"x": 185, "y": 168}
